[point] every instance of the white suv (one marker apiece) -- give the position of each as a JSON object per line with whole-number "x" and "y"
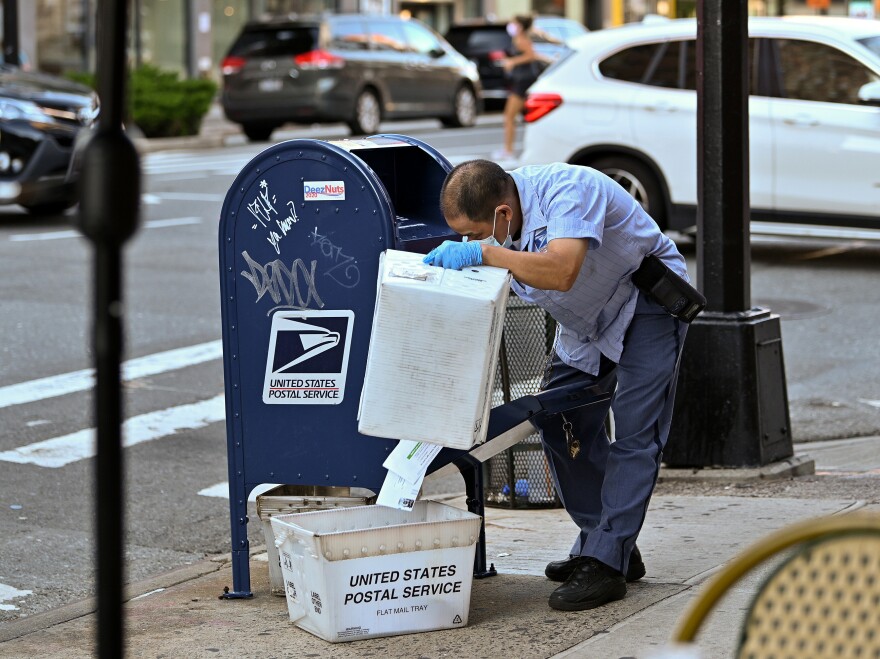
{"x": 625, "y": 103}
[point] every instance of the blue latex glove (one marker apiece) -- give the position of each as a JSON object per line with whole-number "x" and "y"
{"x": 455, "y": 255}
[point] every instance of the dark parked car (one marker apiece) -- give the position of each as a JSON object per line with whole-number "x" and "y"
{"x": 353, "y": 68}
{"x": 486, "y": 44}
{"x": 41, "y": 117}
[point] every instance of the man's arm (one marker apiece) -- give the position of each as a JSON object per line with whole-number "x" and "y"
{"x": 553, "y": 270}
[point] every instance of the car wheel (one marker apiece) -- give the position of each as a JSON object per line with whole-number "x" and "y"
{"x": 258, "y": 132}
{"x": 636, "y": 178}
{"x": 465, "y": 109}
{"x": 50, "y": 208}
{"x": 367, "y": 114}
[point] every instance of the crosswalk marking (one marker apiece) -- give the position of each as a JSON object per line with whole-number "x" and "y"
{"x": 197, "y": 163}
{"x": 191, "y": 196}
{"x": 80, "y": 445}
{"x": 67, "y": 383}
{"x": 69, "y": 233}
{"x": 221, "y": 491}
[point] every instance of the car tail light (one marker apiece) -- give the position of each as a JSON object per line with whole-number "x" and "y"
{"x": 232, "y": 65}
{"x": 538, "y": 105}
{"x": 497, "y": 55}
{"x": 319, "y": 59}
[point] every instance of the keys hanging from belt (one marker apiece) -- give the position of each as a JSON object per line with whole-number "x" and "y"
{"x": 573, "y": 443}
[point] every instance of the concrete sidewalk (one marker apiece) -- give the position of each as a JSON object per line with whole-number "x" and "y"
{"x": 693, "y": 527}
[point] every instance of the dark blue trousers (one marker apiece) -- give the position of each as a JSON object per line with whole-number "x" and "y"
{"x": 607, "y": 487}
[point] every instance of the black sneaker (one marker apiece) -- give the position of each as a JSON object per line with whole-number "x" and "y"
{"x": 591, "y": 584}
{"x": 561, "y": 570}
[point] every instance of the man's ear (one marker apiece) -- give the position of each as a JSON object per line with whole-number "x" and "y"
{"x": 505, "y": 211}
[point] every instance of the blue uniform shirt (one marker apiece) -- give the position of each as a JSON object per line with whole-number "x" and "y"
{"x": 569, "y": 201}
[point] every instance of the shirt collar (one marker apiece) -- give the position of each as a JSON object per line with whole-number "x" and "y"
{"x": 532, "y": 216}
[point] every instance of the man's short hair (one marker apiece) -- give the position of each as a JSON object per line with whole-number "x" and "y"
{"x": 473, "y": 189}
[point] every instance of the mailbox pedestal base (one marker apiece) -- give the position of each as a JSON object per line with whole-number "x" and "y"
{"x": 731, "y": 406}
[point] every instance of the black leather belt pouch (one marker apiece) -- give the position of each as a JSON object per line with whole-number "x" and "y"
{"x": 656, "y": 280}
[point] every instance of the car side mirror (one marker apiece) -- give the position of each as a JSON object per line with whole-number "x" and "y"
{"x": 870, "y": 94}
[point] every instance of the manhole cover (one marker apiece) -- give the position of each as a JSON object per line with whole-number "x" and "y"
{"x": 792, "y": 309}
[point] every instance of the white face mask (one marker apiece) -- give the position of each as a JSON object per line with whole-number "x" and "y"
{"x": 491, "y": 240}
{"x": 512, "y": 29}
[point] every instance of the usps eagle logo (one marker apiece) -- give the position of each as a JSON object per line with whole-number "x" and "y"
{"x": 307, "y": 358}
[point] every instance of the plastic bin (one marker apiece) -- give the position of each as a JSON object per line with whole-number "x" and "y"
{"x": 422, "y": 313}
{"x": 369, "y": 571}
{"x": 288, "y": 499}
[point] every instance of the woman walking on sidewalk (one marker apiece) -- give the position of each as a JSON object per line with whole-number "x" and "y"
{"x": 522, "y": 69}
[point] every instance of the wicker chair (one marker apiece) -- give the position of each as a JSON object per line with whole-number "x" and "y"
{"x": 822, "y": 600}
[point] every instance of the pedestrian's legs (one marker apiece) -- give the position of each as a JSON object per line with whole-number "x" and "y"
{"x": 578, "y": 481}
{"x": 512, "y": 107}
{"x": 642, "y": 406}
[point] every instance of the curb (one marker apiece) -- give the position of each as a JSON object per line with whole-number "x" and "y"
{"x": 23, "y": 626}
{"x": 151, "y": 145}
{"x": 215, "y": 136}
{"x": 799, "y": 465}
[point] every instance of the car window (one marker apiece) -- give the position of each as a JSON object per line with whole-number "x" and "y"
{"x": 561, "y": 31}
{"x": 658, "y": 64}
{"x": 479, "y": 40}
{"x": 275, "y": 42}
{"x": 420, "y": 39}
{"x": 872, "y": 44}
{"x": 349, "y": 35}
{"x": 670, "y": 64}
{"x": 631, "y": 64}
{"x": 689, "y": 62}
{"x": 666, "y": 67}
{"x": 564, "y": 33}
{"x": 815, "y": 72}
{"x": 387, "y": 36}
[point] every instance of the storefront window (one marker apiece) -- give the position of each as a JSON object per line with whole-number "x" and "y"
{"x": 62, "y": 35}
{"x": 286, "y": 7}
{"x": 549, "y": 7}
{"x": 162, "y": 38}
{"x": 228, "y": 17}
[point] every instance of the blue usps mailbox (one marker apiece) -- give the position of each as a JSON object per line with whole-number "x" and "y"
{"x": 301, "y": 232}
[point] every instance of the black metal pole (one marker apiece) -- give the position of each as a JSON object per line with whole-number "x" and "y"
{"x": 731, "y": 407}
{"x": 723, "y": 155}
{"x": 593, "y": 14}
{"x": 109, "y": 201}
{"x": 10, "y": 32}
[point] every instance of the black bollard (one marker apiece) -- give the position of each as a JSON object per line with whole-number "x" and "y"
{"x": 731, "y": 407}
{"x": 108, "y": 217}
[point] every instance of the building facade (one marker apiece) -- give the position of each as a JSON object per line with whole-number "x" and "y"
{"x": 192, "y": 36}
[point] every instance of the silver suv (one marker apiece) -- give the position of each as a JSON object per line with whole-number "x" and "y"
{"x": 354, "y": 68}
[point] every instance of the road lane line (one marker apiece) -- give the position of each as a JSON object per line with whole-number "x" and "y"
{"x": 46, "y": 235}
{"x": 80, "y": 445}
{"x": 140, "y": 367}
{"x": 191, "y": 196}
{"x": 172, "y": 222}
{"x": 8, "y": 593}
{"x": 60, "y": 235}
